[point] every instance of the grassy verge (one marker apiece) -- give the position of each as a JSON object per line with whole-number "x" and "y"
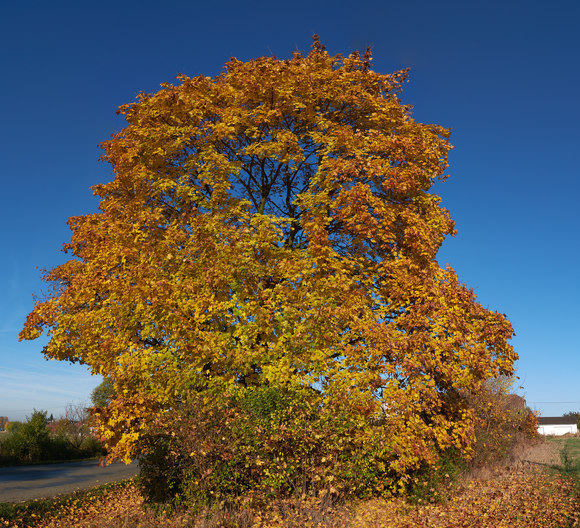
{"x": 569, "y": 448}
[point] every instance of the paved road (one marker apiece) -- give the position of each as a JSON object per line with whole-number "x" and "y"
{"x": 23, "y": 483}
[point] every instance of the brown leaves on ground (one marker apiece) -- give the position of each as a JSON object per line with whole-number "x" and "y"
{"x": 523, "y": 498}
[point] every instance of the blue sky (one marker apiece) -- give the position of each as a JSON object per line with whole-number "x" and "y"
{"x": 504, "y": 76}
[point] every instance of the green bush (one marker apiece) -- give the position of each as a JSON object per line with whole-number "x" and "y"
{"x": 32, "y": 442}
{"x": 433, "y": 483}
{"x": 260, "y": 443}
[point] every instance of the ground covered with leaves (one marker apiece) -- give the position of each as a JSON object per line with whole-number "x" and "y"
{"x": 525, "y": 495}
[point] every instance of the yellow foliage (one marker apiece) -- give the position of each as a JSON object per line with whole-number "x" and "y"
{"x": 274, "y": 225}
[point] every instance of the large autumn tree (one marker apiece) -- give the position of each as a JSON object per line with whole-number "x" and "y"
{"x": 274, "y": 227}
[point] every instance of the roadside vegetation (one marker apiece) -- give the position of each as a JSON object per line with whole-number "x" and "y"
{"x": 525, "y": 497}
{"x": 499, "y": 486}
{"x": 40, "y": 440}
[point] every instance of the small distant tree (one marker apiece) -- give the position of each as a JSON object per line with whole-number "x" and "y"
{"x": 103, "y": 393}
{"x": 28, "y": 441}
{"x": 12, "y": 427}
{"x": 575, "y": 414}
{"x": 74, "y": 425}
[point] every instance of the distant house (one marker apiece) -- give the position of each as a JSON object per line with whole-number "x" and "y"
{"x": 557, "y": 425}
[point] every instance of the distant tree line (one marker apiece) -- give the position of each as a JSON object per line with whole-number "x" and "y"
{"x": 40, "y": 440}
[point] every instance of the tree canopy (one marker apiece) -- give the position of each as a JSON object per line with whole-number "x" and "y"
{"x": 274, "y": 226}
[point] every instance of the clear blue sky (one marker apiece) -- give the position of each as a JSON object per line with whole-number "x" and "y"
{"x": 504, "y": 75}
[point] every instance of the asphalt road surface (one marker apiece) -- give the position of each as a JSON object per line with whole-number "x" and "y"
{"x": 24, "y": 483}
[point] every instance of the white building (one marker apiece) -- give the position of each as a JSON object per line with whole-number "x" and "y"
{"x": 557, "y": 425}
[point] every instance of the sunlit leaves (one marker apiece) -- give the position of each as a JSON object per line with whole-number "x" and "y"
{"x": 275, "y": 226}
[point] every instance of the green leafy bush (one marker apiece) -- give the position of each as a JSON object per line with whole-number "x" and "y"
{"x": 264, "y": 442}
{"x": 33, "y": 441}
{"x": 30, "y": 441}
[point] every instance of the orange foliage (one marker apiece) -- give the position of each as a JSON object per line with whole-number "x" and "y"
{"x": 274, "y": 226}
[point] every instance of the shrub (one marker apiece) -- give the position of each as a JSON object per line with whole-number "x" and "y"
{"x": 432, "y": 483}
{"x": 30, "y": 441}
{"x": 264, "y": 442}
{"x": 33, "y": 441}
{"x": 503, "y": 419}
